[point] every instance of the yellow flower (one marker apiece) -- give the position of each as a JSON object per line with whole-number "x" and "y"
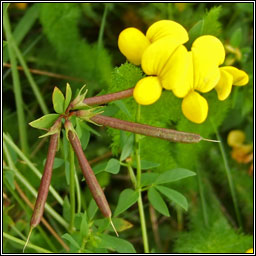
{"x": 202, "y": 75}
{"x": 132, "y": 42}
{"x": 230, "y": 76}
{"x": 163, "y": 62}
{"x": 249, "y": 250}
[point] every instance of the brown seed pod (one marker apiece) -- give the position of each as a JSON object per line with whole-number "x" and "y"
{"x": 88, "y": 173}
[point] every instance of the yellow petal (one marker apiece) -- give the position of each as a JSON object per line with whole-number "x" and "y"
{"x": 132, "y": 43}
{"x": 224, "y": 86}
{"x": 147, "y": 91}
{"x": 210, "y": 47}
{"x": 240, "y": 78}
{"x": 157, "y": 54}
{"x": 206, "y": 72}
{"x": 163, "y": 28}
{"x": 175, "y": 74}
{"x": 249, "y": 250}
{"x": 195, "y": 107}
{"x": 236, "y": 138}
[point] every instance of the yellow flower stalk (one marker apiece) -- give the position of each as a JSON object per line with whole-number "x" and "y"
{"x": 132, "y": 42}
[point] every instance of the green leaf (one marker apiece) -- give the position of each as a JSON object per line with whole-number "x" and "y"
{"x": 146, "y": 165}
{"x": 148, "y": 178}
{"x": 121, "y": 105}
{"x": 83, "y": 133}
{"x": 44, "y": 122}
{"x": 66, "y": 209}
{"x": 195, "y": 31}
{"x": 84, "y": 227}
{"x": 5, "y": 7}
{"x": 58, "y": 162}
{"x": 236, "y": 37}
{"x": 174, "y": 175}
{"x": 128, "y": 148}
{"x": 92, "y": 209}
{"x": 127, "y": 198}
{"x": 68, "y": 96}
{"x": 58, "y": 100}
{"x": 100, "y": 167}
{"x": 121, "y": 224}
{"x": 72, "y": 241}
{"x": 157, "y": 202}
{"x": 174, "y": 196}
{"x": 116, "y": 244}
{"x": 113, "y": 166}
{"x": 9, "y": 176}
{"x": 4, "y": 43}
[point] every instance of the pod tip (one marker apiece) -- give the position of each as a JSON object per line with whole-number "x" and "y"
{"x": 211, "y": 140}
{"x": 30, "y": 231}
{"x": 112, "y": 224}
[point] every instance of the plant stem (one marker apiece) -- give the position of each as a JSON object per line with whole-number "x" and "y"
{"x": 202, "y": 198}
{"x": 24, "y": 65}
{"x": 16, "y": 86}
{"x": 230, "y": 180}
{"x": 102, "y": 26}
{"x": 31, "y": 189}
{"x": 72, "y": 188}
{"x": 148, "y": 130}
{"x": 78, "y": 194}
{"x": 140, "y": 202}
{"x": 18, "y": 241}
{"x": 31, "y": 166}
{"x": 132, "y": 176}
{"x": 102, "y": 99}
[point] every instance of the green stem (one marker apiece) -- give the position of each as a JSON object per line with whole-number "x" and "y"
{"x": 78, "y": 194}
{"x": 24, "y": 65}
{"x": 230, "y": 180}
{"x": 140, "y": 202}
{"x": 102, "y": 26}
{"x": 18, "y": 241}
{"x": 31, "y": 166}
{"x": 31, "y": 189}
{"x": 132, "y": 175}
{"x": 72, "y": 188}
{"x": 16, "y": 86}
{"x": 202, "y": 198}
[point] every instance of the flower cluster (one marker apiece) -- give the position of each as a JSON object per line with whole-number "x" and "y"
{"x": 169, "y": 65}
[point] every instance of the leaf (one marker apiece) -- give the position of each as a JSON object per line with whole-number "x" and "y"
{"x": 128, "y": 148}
{"x": 174, "y": 196}
{"x": 116, "y": 244}
{"x": 174, "y": 175}
{"x": 84, "y": 227}
{"x": 68, "y": 96}
{"x": 100, "y": 167}
{"x": 148, "y": 178}
{"x": 58, "y": 162}
{"x": 66, "y": 209}
{"x": 92, "y": 209}
{"x": 121, "y": 105}
{"x": 121, "y": 224}
{"x": 4, "y": 43}
{"x": 146, "y": 165}
{"x": 127, "y": 198}
{"x": 236, "y": 37}
{"x": 157, "y": 202}
{"x": 44, "y": 122}
{"x": 113, "y": 166}
{"x": 9, "y": 176}
{"x": 83, "y": 133}
{"x": 58, "y": 100}
{"x": 69, "y": 238}
{"x": 5, "y": 7}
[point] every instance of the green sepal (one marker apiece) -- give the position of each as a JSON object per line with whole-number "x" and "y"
{"x": 69, "y": 127}
{"x": 68, "y": 96}
{"x": 58, "y": 100}
{"x": 44, "y": 122}
{"x": 78, "y": 103}
{"x": 54, "y": 129}
{"x": 89, "y": 113}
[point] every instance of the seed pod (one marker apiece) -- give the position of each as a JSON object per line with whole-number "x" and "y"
{"x": 161, "y": 133}
{"x": 45, "y": 182}
{"x": 88, "y": 173}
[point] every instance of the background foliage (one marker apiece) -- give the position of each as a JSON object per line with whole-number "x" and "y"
{"x": 79, "y": 40}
